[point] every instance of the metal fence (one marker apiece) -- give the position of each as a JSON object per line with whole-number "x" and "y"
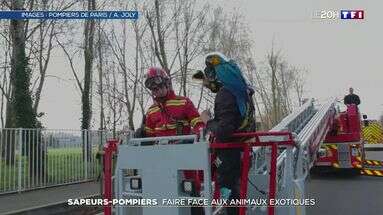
{"x": 38, "y": 158}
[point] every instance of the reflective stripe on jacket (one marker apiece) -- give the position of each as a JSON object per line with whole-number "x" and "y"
{"x": 176, "y": 116}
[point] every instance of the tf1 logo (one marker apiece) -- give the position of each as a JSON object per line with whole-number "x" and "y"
{"x": 338, "y": 14}
{"x": 352, "y": 14}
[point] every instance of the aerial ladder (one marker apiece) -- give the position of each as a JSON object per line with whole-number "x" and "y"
{"x": 274, "y": 165}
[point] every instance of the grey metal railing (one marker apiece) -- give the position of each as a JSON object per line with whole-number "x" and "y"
{"x": 38, "y": 158}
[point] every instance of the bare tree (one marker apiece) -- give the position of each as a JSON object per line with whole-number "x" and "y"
{"x": 284, "y": 87}
{"x": 85, "y": 88}
{"x": 5, "y": 85}
{"x": 273, "y": 63}
{"x": 119, "y": 50}
{"x": 159, "y": 30}
{"x": 190, "y": 27}
{"x": 19, "y": 106}
{"x": 46, "y": 32}
{"x": 89, "y": 33}
{"x": 100, "y": 44}
{"x": 299, "y": 82}
{"x": 113, "y": 100}
{"x": 20, "y": 75}
{"x": 86, "y": 96}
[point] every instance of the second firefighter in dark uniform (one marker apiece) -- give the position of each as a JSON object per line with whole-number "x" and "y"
{"x": 233, "y": 112}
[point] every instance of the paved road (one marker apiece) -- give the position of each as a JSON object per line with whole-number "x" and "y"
{"x": 338, "y": 194}
{"x": 14, "y": 203}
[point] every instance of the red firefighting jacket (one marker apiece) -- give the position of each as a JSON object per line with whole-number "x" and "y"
{"x": 162, "y": 119}
{"x": 175, "y": 114}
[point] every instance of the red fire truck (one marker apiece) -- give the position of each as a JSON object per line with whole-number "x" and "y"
{"x": 343, "y": 147}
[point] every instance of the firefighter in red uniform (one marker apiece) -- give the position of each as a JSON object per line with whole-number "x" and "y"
{"x": 170, "y": 115}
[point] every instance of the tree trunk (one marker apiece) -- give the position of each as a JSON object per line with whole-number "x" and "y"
{"x": 89, "y": 30}
{"x": 18, "y": 104}
{"x": 100, "y": 77}
{"x": 274, "y": 95}
{"x": 20, "y": 73}
{"x": 5, "y": 138}
{"x": 21, "y": 101}
{"x": 43, "y": 61}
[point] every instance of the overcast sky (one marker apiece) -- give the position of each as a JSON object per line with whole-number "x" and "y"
{"x": 338, "y": 53}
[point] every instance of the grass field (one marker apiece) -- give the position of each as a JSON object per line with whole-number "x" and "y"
{"x": 61, "y": 166}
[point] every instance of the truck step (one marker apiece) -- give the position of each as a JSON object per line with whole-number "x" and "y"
{"x": 373, "y": 163}
{"x": 371, "y": 172}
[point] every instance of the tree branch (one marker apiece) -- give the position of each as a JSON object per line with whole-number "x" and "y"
{"x": 79, "y": 85}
